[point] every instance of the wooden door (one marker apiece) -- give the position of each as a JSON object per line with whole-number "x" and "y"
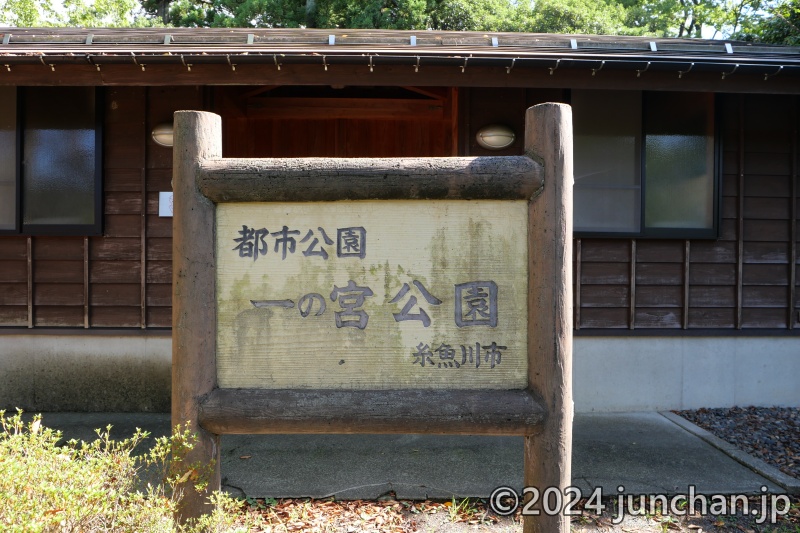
{"x": 344, "y": 122}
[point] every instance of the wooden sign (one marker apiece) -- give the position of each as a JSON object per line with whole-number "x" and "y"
{"x": 372, "y": 294}
{"x": 407, "y": 295}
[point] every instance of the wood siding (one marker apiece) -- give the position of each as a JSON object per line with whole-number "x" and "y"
{"x": 123, "y": 278}
{"x": 745, "y": 279}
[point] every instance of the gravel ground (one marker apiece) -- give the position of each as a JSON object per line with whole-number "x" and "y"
{"x": 472, "y": 516}
{"x": 770, "y": 433}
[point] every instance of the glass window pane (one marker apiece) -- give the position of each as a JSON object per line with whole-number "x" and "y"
{"x": 607, "y": 144}
{"x": 59, "y": 155}
{"x": 607, "y": 210}
{"x": 8, "y": 157}
{"x": 679, "y": 160}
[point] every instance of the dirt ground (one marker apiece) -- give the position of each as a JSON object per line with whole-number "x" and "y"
{"x": 464, "y": 516}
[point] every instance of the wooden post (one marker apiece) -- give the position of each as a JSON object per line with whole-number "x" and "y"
{"x": 548, "y": 137}
{"x": 198, "y": 136}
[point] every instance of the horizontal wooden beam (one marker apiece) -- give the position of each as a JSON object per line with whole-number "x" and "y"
{"x": 325, "y": 179}
{"x": 358, "y": 75}
{"x": 347, "y": 108}
{"x": 464, "y": 412}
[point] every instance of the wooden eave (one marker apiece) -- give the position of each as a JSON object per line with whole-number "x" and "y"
{"x": 181, "y": 56}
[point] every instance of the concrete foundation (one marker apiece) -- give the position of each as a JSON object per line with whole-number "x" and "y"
{"x": 613, "y": 374}
{"x": 83, "y": 371}
{"x": 130, "y": 372}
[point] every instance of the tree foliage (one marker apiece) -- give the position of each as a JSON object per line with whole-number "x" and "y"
{"x": 577, "y": 16}
{"x": 26, "y": 13}
{"x": 566, "y": 16}
{"x": 663, "y": 18}
{"x": 75, "y": 13}
{"x": 104, "y": 13}
{"x": 227, "y": 13}
{"x": 780, "y": 25}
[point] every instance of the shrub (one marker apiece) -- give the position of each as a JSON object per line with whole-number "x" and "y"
{"x": 96, "y": 486}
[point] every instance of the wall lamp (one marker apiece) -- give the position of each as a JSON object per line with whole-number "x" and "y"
{"x": 162, "y": 134}
{"x": 492, "y": 137}
{"x": 495, "y": 137}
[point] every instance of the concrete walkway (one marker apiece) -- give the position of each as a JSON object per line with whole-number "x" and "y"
{"x": 643, "y": 452}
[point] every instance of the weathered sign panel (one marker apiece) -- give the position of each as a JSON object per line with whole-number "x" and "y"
{"x": 406, "y": 295}
{"x": 372, "y": 294}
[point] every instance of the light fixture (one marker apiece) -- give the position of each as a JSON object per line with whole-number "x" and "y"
{"x": 495, "y": 137}
{"x": 162, "y": 134}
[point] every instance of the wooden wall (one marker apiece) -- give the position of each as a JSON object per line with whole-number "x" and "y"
{"x": 747, "y": 279}
{"x": 122, "y": 278}
{"x": 314, "y": 127}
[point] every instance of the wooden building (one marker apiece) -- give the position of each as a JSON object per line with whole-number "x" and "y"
{"x": 686, "y": 167}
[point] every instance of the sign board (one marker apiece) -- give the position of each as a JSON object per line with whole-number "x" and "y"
{"x": 407, "y": 295}
{"x": 372, "y": 294}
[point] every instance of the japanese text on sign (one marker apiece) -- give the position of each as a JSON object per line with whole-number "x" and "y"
{"x": 252, "y": 243}
{"x": 372, "y": 294}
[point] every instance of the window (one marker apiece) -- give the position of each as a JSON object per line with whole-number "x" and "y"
{"x": 50, "y": 161}
{"x": 8, "y": 156}
{"x": 645, "y": 164}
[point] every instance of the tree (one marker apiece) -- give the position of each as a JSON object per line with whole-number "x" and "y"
{"x": 569, "y": 16}
{"x": 574, "y": 16}
{"x": 392, "y": 14}
{"x": 474, "y": 15}
{"x": 230, "y": 13}
{"x": 104, "y": 14}
{"x": 26, "y": 13}
{"x": 75, "y": 13}
{"x": 780, "y": 24}
{"x": 693, "y": 18}
{"x": 384, "y": 14}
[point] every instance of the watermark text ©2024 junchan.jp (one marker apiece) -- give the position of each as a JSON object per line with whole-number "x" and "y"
{"x": 767, "y": 507}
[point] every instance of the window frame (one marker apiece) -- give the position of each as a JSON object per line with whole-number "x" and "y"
{"x": 67, "y": 230}
{"x": 671, "y": 233}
